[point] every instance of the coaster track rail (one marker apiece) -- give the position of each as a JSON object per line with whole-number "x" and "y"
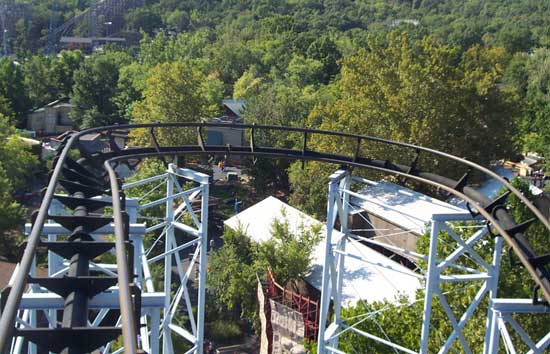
{"x": 493, "y": 211}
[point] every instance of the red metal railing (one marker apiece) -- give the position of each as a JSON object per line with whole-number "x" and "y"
{"x": 306, "y": 306}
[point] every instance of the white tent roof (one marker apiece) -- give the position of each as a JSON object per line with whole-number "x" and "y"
{"x": 379, "y": 279}
{"x": 401, "y": 206}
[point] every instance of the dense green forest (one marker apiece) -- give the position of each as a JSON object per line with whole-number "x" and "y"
{"x": 471, "y": 78}
{"x": 482, "y": 63}
{"x": 516, "y": 25}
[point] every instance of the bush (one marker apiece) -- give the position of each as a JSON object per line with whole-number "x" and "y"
{"x": 223, "y": 331}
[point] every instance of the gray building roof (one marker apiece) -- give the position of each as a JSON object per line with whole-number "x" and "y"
{"x": 62, "y": 102}
{"x": 236, "y": 106}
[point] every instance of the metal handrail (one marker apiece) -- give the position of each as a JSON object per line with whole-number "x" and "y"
{"x": 501, "y": 220}
{"x": 11, "y": 305}
{"x": 127, "y": 315}
{"x": 466, "y": 162}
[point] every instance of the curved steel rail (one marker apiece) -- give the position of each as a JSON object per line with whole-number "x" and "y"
{"x": 11, "y": 305}
{"x": 493, "y": 212}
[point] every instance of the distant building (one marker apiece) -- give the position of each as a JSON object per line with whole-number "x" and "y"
{"x": 89, "y": 44}
{"x": 233, "y": 110}
{"x": 526, "y": 167}
{"x": 52, "y": 119}
{"x": 530, "y": 164}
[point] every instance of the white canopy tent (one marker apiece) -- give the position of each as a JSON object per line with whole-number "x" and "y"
{"x": 376, "y": 279}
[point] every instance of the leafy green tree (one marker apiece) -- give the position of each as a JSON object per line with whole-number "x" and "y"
{"x": 516, "y": 73}
{"x": 535, "y": 131}
{"x": 305, "y": 71}
{"x": 95, "y": 84}
{"x": 231, "y": 59}
{"x": 232, "y": 275}
{"x": 6, "y": 110}
{"x": 413, "y": 91}
{"x": 64, "y": 66}
{"x": 11, "y": 216}
{"x": 50, "y": 78}
{"x": 188, "y": 46}
{"x": 325, "y": 51}
{"x": 21, "y": 43}
{"x": 276, "y": 104}
{"x": 16, "y": 164}
{"x": 178, "y": 20}
{"x": 234, "y": 268}
{"x": 130, "y": 86}
{"x": 13, "y": 89}
{"x": 515, "y": 38}
{"x": 177, "y": 92}
{"x": 310, "y": 196}
{"x": 248, "y": 85}
{"x": 40, "y": 82}
{"x": 288, "y": 253}
{"x": 142, "y": 19}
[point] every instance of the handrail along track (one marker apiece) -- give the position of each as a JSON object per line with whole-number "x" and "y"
{"x": 492, "y": 211}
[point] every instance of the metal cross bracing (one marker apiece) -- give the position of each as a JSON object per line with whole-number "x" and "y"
{"x": 458, "y": 262}
{"x": 158, "y": 306}
{"x": 85, "y": 184}
{"x": 183, "y": 231}
{"x": 502, "y": 319}
{"x": 79, "y": 283}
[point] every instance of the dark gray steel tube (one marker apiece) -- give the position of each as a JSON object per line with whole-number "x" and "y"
{"x": 20, "y": 280}
{"x": 129, "y": 335}
{"x": 501, "y": 221}
{"x": 12, "y": 303}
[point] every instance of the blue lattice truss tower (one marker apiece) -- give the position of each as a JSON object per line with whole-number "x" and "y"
{"x": 158, "y": 271}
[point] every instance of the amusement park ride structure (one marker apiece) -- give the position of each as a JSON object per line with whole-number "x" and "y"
{"x": 101, "y": 301}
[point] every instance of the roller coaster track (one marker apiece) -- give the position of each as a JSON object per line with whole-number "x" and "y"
{"x": 87, "y": 177}
{"x": 107, "y": 8}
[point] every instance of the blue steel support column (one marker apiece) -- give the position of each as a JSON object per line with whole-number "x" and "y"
{"x": 432, "y": 283}
{"x": 326, "y": 279}
{"x": 137, "y": 242}
{"x": 55, "y": 262}
{"x": 202, "y": 265}
{"x": 167, "y": 347}
{"x": 491, "y": 332}
{"x": 33, "y": 313}
{"x": 345, "y": 183}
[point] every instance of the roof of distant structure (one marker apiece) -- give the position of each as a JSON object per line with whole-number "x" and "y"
{"x": 236, "y": 106}
{"x": 403, "y": 207}
{"x": 86, "y": 40}
{"x": 371, "y": 281}
{"x": 62, "y": 102}
{"x": 30, "y": 141}
{"x": 531, "y": 159}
